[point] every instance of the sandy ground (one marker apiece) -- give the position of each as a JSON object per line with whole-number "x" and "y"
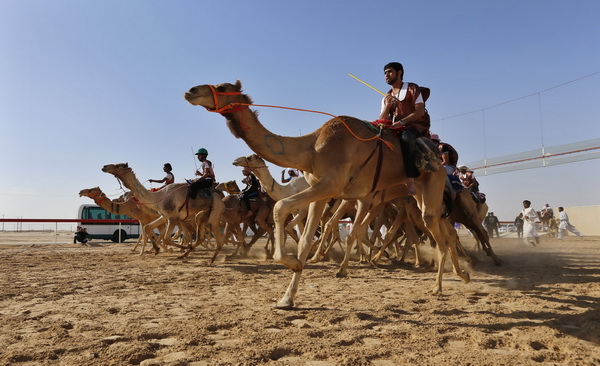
{"x": 101, "y": 304}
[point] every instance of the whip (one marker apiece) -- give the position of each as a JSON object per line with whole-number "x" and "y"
{"x": 369, "y": 85}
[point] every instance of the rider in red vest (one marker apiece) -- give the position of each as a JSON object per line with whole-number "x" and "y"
{"x": 404, "y": 107}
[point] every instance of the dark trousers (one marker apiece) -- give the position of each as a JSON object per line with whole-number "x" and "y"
{"x": 408, "y": 144}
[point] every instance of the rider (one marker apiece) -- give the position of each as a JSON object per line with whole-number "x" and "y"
{"x": 168, "y": 179}
{"x": 448, "y": 153}
{"x": 467, "y": 178}
{"x": 404, "y": 107}
{"x": 252, "y": 189}
{"x": 449, "y": 160}
{"x": 205, "y": 172}
{"x": 293, "y": 173}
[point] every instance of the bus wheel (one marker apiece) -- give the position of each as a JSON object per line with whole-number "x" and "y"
{"x": 115, "y": 237}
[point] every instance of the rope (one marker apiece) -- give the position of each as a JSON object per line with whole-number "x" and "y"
{"x": 376, "y": 137}
{"x": 152, "y": 203}
{"x": 235, "y": 107}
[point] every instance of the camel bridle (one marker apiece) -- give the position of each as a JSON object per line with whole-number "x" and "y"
{"x": 98, "y": 198}
{"x": 229, "y": 108}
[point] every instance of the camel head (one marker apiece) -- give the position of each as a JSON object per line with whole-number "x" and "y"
{"x": 215, "y": 97}
{"x": 91, "y": 192}
{"x": 230, "y": 187}
{"x": 251, "y": 161}
{"x": 117, "y": 170}
{"x": 94, "y": 193}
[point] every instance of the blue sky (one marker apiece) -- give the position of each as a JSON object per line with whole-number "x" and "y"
{"x": 86, "y": 84}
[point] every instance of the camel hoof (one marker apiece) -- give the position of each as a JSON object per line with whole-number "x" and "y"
{"x": 283, "y": 304}
{"x": 314, "y": 259}
{"x": 341, "y": 274}
{"x": 465, "y": 277}
{"x": 497, "y": 261}
{"x": 437, "y": 291}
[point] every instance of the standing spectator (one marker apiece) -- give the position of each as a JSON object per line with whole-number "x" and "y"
{"x": 519, "y": 225}
{"x": 530, "y": 233}
{"x": 565, "y": 224}
{"x": 491, "y": 225}
{"x": 495, "y": 224}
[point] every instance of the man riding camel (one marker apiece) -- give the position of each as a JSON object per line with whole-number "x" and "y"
{"x": 404, "y": 108}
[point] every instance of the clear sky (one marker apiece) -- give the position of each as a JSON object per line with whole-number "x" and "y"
{"x": 89, "y": 83}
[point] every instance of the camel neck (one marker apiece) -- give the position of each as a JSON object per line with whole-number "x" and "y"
{"x": 132, "y": 183}
{"x": 277, "y": 149}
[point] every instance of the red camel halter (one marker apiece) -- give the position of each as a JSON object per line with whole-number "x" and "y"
{"x": 229, "y": 108}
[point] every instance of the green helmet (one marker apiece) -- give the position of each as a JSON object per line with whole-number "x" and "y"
{"x": 202, "y": 151}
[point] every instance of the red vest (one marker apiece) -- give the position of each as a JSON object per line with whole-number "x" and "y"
{"x": 407, "y": 106}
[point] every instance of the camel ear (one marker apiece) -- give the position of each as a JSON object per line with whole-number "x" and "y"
{"x": 126, "y": 165}
{"x": 238, "y": 85}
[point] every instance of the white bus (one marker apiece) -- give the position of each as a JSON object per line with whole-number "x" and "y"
{"x": 107, "y": 231}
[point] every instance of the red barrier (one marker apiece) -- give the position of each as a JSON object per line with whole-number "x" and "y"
{"x": 84, "y": 221}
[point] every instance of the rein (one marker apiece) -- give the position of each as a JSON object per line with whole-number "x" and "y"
{"x": 146, "y": 203}
{"x": 98, "y": 198}
{"x": 235, "y": 107}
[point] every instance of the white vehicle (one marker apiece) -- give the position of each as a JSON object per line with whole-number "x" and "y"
{"x": 117, "y": 232}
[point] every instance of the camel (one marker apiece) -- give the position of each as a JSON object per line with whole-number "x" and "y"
{"x": 176, "y": 208}
{"x": 276, "y": 191}
{"x": 336, "y": 161}
{"x": 235, "y": 213}
{"x": 142, "y": 213}
{"x": 546, "y": 217}
{"x": 471, "y": 214}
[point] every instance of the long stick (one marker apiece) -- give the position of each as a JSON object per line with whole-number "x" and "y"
{"x": 195, "y": 163}
{"x": 370, "y": 86}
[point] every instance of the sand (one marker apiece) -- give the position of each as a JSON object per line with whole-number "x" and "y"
{"x": 101, "y": 304}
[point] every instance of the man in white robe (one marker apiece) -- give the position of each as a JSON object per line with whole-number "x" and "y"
{"x": 565, "y": 224}
{"x": 530, "y": 233}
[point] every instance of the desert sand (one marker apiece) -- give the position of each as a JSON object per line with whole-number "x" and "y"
{"x": 101, "y": 304}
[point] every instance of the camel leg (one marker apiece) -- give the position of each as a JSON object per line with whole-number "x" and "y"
{"x": 363, "y": 236}
{"x": 325, "y": 243}
{"x": 214, "y": 220}
{"x": 139, "y": 241}
{"x": 297, "y": 220}
{"x": 304, "y": 246}
{"x": 390, "y": 235}
{"x": 361, "y": 213}
{"x": 430, "y": 198}
{"x": 453, "y": 240}
{"x": 149, "y": 230}
{"x": 320, "y": 191}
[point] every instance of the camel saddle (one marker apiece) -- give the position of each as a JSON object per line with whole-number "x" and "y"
{"x": 201, "y": 187}
{"x": 428, "y": 155}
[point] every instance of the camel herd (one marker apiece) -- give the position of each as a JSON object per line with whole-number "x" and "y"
{"x": 347, "y": 173}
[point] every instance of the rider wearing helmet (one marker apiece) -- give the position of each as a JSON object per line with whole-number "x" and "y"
{"x": 205, "y": 172}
